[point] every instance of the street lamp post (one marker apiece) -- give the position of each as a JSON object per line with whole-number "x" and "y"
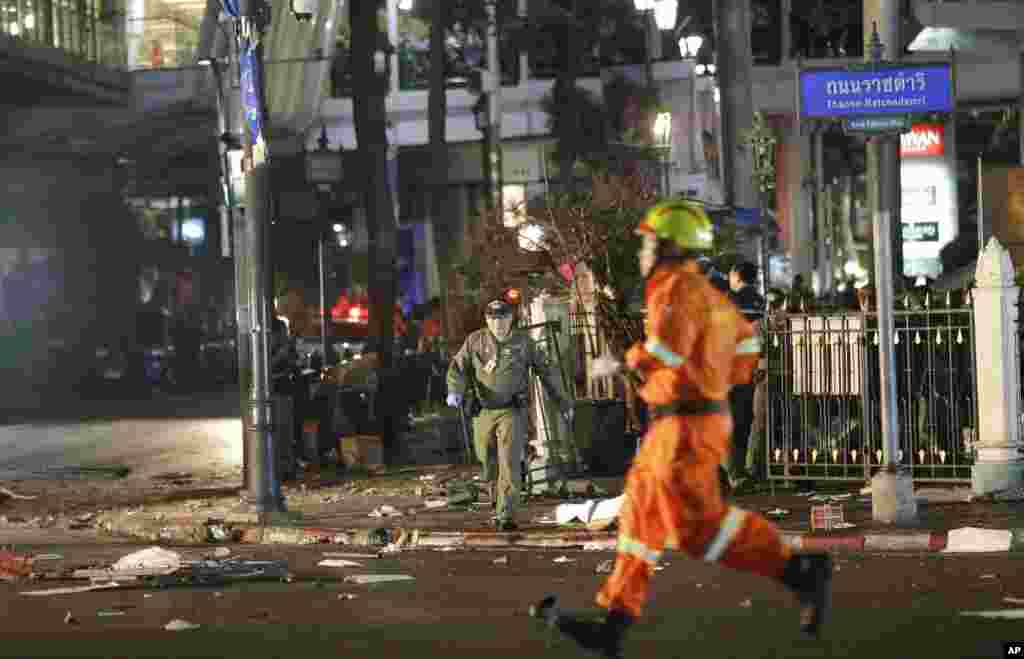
{"x": 689, "y": 49}
{"x": 324, "y": 168}
{"x": 892, "y": 488}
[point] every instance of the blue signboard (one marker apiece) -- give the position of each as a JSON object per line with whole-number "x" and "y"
{"x": 252, "y": 100}
{"x": 748, "y": 217}
{"x": 896, "y": 89}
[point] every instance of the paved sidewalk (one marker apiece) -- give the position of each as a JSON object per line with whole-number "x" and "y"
{"x": 344, "y": 514}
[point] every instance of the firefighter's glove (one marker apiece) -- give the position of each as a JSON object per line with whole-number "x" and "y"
{"x": 454, "y": 400}
{"x": 605, "y": 366}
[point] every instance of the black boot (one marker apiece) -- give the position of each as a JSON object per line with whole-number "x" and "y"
{"x": 809, "y": 576}
{"x": 600, "y": 637}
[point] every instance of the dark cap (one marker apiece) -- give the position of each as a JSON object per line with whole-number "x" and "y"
{"x": 498, "y": 309}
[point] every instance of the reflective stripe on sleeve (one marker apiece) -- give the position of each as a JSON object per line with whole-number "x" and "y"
{"x": 750, "y": 346}
{"x": 658, "y": 349}
{"x": 727, "y": 532}
{"x": 627, "y": 545}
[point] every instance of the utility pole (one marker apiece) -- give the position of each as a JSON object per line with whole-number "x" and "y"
{"x": 370, "y": 117}
{"x": 437, "y": 112}
{"x": 494, "y": 106}
{"x": 264, "y": 493}
{"x": 892, "y": 488}
{"x": 735, "y": 79}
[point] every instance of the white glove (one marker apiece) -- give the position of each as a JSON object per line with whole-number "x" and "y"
{"x": 454, "y": 400}
{"x": 605, "y": 366}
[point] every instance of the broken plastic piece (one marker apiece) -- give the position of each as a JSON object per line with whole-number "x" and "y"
{"x": 364, "y": 579}
{"x": 178, "y": 625}
{"x": 338, "y": 562}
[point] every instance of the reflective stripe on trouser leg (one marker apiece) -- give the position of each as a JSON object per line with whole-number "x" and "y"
{"x": 633, "y": 547}
{"x": 757, "y": 547}
{"x": 727, "y": 532}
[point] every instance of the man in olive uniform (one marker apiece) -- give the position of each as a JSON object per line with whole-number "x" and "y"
{"x": 498, "y": 358}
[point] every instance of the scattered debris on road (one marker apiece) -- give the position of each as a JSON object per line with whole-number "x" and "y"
{"x": 502, "y": 560}
{"x": 109, "y": 613}
{"x": 1008, "y": 614}
{"x": 338, "y": 562}
{"x": 178, "y": 625}
{"x": 153, "y": 558}
{"x": 386, "y": 511}
{"x": 605, "y": 567}
{"x": 777, "y": 513}
{"x": 347, "y": 596}
{"x": 565, "y": 559}
{"x": 746, "y": 604}
{"x": 366, "y": 579}
{"x": 14, "y": 495}
{"x": 70, "y": 619}
{"x": 600, "y": 545}
{"x": 1013, "y": 600}
{"x": 15, "y": 566}
{"x": 596, "y": 514}
{"x": 969, "y": 540}
{"x": 221, "y": 552}
{"x": 988, "y": 576}
{"x": 47, "y": 557}
{"x": 72, "y": 590}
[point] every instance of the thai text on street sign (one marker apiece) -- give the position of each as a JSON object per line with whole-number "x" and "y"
{"x": 897, "y": 124}
{"x": 882, "y": 89}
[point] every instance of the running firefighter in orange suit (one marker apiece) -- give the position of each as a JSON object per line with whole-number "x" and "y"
{"x": 698, "y": 345}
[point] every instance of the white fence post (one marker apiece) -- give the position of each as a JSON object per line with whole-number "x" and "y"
{"x": 999, "y": 464}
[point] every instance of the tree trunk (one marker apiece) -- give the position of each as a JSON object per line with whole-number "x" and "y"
{"x": 565, "y": 85}
{"x": 370, "y": 115}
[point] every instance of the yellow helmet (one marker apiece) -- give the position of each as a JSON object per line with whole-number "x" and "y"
{"x": 682, "y": 222}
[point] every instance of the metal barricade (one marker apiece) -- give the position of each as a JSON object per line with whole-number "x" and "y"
{"x": 822, "y": 417}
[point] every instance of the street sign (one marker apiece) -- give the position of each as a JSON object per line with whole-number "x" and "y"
{"x": 252, "y": 100}
{"x": 874, "y": 125}
{"x": 890, "y": 89}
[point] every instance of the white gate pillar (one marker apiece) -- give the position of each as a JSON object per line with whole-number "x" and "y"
{"x": 548, "y": 425}
{"x": 1000, "y": 463}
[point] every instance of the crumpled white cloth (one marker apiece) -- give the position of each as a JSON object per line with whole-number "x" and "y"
{"x": 595, "y": 513}
{"x": 153, "y": 558}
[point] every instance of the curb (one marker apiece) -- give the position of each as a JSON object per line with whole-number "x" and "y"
{"x": 199, "y": 533}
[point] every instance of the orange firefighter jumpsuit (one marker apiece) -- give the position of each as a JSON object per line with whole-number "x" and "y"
{"x": 698, "y": 344}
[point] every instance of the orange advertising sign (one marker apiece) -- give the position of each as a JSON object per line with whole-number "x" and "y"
{"x": 923, "y": 140}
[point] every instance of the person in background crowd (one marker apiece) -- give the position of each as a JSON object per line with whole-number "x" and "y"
{"x": 717, "y": 279}
{"x": 743, "y": 397}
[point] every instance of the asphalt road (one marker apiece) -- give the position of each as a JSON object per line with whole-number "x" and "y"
{"x": 199, "y": 434}
{"x": 463, "y": 605}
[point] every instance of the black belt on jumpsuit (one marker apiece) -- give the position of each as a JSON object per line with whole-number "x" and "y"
{"x": 688, "y": 408}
